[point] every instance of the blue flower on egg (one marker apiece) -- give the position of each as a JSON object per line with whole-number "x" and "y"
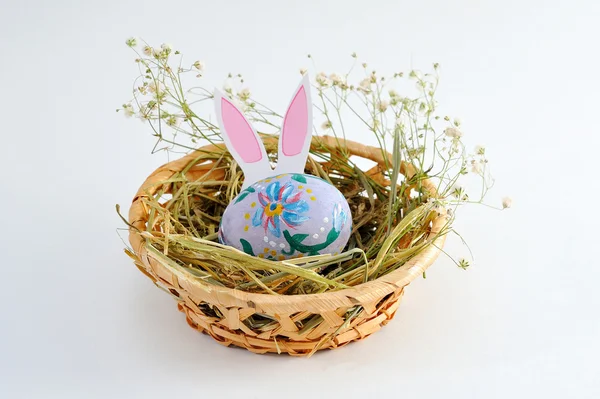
{"x": 338, "y": 217}
{"x": 280, "y": 204}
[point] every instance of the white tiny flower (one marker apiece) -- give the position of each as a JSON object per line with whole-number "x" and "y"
{"x": 131, "y": 42}
{"x": 365, "y": 85}
{"x": 393, "y": 93}
{"x": 477, "y": 167}
{"x": 458, "y": 191}
{"x": 244, "y": 94}
{"x": 155, "y": 87}
{"x": 303, "y": 71}
{"x": 463, "y": 263}
{"x": 148, "y": 50}
{"x": 439, "y": 209}
{"x": 323, "y": 80}
{"x": 199, "y": 65}
{"x": 479, "y": 150}
{"x": 162, "y": 52}
{"x": 336, "y": 79}
{"x": 128, "y": 110}
{"x": 420, "y": 85}
{"x": 453, "y": 132}
{"x": 326, "y": 125}
{"x": 506, "y": 202}
{"x": 145, "y": 112}
{"x": 157, "y": 52}
{"x": 383, "y": 105}
{"x": 172, "y": 120}
{"x": 457, "y": 122}
{"x": 240, "y": 104}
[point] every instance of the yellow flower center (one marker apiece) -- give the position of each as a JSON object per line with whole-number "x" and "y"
{"x": 273, "y": 209}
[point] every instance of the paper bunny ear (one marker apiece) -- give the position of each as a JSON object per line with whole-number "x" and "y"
{"x": 242, "y": 141}
{"x": 296, "y": 131}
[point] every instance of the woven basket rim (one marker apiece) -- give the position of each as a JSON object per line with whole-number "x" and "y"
{"x": 367, "y": 293}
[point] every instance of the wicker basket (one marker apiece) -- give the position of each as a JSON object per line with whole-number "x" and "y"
{"x": 373, "y": 303}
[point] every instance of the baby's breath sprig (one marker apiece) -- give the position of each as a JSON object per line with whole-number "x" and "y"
{"x": 160, "y": 100}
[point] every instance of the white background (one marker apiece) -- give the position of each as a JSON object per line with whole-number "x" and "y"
{"x": 78, "y": 320}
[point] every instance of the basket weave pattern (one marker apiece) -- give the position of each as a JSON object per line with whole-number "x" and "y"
{"x": 300, "y": 324}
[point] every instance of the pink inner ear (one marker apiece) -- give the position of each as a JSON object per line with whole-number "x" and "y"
{"x": 295, "y": 125}
{"x": 240, "y": 133}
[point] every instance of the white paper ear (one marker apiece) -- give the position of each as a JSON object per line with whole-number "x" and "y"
{"x": 296, "y": 131}
{"x": 242, "y": 141}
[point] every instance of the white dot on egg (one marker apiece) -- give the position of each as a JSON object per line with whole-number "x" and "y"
{"x": 282, "y": 245}
{"x": 326, "y": 220}
{"x": 273, "y": 243}
{"x": 322, "y": 229}
{"x": 266, "y": 239}
{"x": 315, "y": 235}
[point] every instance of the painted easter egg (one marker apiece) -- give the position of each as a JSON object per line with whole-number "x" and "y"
{"x": 287, "y": 216}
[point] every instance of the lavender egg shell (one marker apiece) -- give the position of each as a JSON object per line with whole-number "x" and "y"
{"x": 287, "y": 216}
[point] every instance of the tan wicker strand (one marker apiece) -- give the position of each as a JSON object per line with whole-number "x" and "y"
{"x": 378, "y": 300}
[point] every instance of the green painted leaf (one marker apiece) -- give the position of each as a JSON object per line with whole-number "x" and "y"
{"x": 332, "y": 236}
{"x": 241, "y": 196}
{"x": 296, "y": 242}
{"x": 319, "y": 178}
{"x": 299, "y": 178}
{"x": 299, "y": 237}
{"x": 244, "y": 194}
{"x": 247, "y": 247}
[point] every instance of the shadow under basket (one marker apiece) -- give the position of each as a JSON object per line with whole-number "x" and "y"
{"x": 297, "y": 324}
